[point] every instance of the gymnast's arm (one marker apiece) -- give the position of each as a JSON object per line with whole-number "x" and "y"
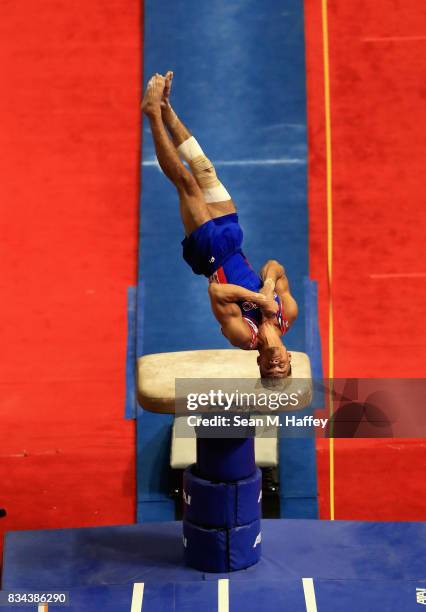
{"x": 223, "y": 300}
{"x": 228, "y": 293}
{"x": 275, "y": 279}
{"x": 271, "y": 272}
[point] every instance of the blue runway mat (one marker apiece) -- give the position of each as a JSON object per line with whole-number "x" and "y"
{"x": 293, "y": 549}
{"x": 240, "y": 86}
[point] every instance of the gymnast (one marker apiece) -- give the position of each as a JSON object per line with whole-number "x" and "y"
{"x": 253, "y": 311}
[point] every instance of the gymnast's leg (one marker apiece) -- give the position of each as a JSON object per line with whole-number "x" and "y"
{"x": 218, "y": 200}
{"x": 193, "y": 207}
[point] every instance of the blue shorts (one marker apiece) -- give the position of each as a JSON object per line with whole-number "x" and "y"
{"x": 210, "y": 245}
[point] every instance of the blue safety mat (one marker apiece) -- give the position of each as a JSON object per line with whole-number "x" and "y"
{"x": 130, "y": 402}
{"x": 292, "y": 549}
{"x": 240, "y": 86}
{"x": 252, "y": 596}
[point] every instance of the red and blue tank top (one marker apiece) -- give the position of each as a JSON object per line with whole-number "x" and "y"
{"x": 236, "y": 270}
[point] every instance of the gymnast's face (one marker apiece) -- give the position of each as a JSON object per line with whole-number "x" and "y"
{"x": 274, "y": 362}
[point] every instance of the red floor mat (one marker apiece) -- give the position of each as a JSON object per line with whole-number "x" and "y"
{"x": 69, "y": 193}
{"x": 377, "y": 64}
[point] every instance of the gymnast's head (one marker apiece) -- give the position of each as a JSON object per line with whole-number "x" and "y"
{"x": 274, "y": 361}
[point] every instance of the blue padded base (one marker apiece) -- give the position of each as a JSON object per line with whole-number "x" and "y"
{"x": 222, "y": 550}
{"x": 210, "y": 504}
{"x": 338, "y": 550}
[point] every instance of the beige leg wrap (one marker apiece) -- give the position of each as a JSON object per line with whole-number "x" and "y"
{"x": 203, "y": 171}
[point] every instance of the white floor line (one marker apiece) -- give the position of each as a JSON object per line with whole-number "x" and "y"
{"x": 280, "y": 161}
{"x": 137, "y": 597}
{"x": 399, "y": 275}
{"x": 223, "y": 595}
{"x": 309, "y": 592}
{"x": 394, "y": 39}
{"x": 275, "y": 126}
{"x": 284, "y": 161}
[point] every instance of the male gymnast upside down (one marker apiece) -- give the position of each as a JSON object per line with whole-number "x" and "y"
{"x": 253, "y": 311}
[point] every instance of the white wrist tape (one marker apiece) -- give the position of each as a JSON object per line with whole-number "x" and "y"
{"x": 203, "y": 171}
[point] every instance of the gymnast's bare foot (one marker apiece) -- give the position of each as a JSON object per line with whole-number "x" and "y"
{"x": 151, "y": 103}
{"x": 165, "y": 101}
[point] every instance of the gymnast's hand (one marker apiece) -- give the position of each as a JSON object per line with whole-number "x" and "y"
{"x": 269, "y": 307}
{"x": 268, "y": 288}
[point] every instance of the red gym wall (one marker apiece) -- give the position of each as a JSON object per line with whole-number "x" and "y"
{"x": 69, "y": 192}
